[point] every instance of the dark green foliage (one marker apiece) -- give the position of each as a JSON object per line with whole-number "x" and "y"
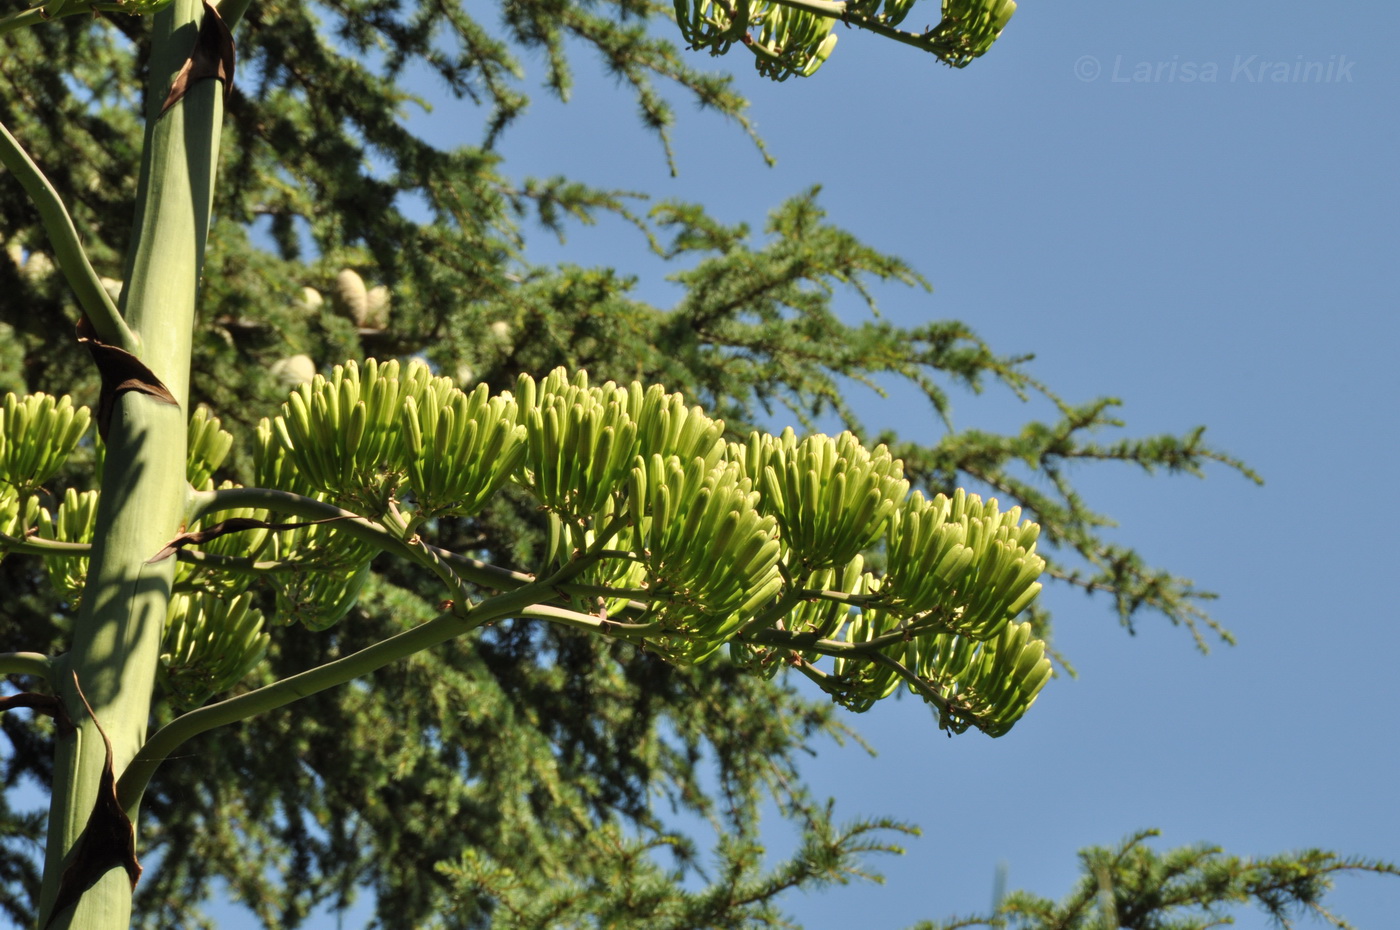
{"x": 1192, "y": 888}
{"x": 513, "y": 779}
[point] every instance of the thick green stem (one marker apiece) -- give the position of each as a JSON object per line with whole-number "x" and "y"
{"x": 116, "y": 639}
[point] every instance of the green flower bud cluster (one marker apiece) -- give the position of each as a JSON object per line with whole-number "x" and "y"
{"x": 713, "y": 24}
{"x": 605, "y": 428}
{"x": 889, "y": 12}
{"x": 832, "y": 497}
{"x": 791, "y": 42}
{"x": 342, "y": 432}
{"x": 365, "y": 435}
{"x": 210, "y": 643}
{"x": 991, "y": 683}
{"x": 324, "y": 569}
{"x": 961, "y": 563}
{"x": 17, "y": 515}
{"x": 988, "y": 682}
{"x": 332, "y": 566}
{"x": 812, "y": 619}
{"x": 37, "y": 433}
{"x": 958, "y": 570}
{"x": 74, "y": 522}
{"x": 563, "y": 543}
{"x": 659, "y": 478}
{"x": 580, "y": 441}
{"x": 759, "y": 545}
{"x": 629, "y": 424}
{"x": 711, "y": 556}
{"x": 785, "y": 41}
{"x": 687, "y": 540}
{"x": 968, "y": 29}
{"x": 318, "y": 600}
{"x": 209, "y": 445}
{"x": 857, "y": 681}
{"x": 460, "y": 448}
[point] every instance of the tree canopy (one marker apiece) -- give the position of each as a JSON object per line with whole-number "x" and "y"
{"x": 515, "y": 778}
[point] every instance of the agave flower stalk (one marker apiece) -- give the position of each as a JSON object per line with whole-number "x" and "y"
{"x": 111, "y": 668}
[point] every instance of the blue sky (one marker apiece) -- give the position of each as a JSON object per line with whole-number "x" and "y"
{"x": 1217, "y": 250}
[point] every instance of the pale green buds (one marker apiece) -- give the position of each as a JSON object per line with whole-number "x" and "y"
{"x": 319, "y": 599}
{"x": 273, "y": 467}
{"x": 960, "y": 564}
{"x": 666, "y": 426}
{"x": 37, "y": 433}
{"x": 988, "y": 684}
{"x": 787, "y": 40}
{"x": 17, "y": 516}
{"x": 580, "y": 441}
{"x": 859, "y": 680}
{"x": 461, "y": 448}
{"x": 968, "y": 29}
{"x": 712, "y": 24}
{"x": 790, "y": 41}
{"x": 707, "y": 549}
{"x": 211, "y": 642}
{"x": 209, "y": 445}
{"x": 247, "y": 544}
{"x": 343, "y": 431}
{"x": 75, "y": 522}
{"x": 564, "y": 542}
{"x": 832, "y": 497}
{"x": 665, "y": 531}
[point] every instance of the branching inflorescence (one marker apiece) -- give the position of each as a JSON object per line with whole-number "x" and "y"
{"x": 663, "y": 531}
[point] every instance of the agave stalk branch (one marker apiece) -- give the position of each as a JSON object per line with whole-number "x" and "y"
{"x": 631, "y": 632}
{"x": 204, "y": 503}
{"x": 363, "y": 529}
{"x": 26, "y": 663}
{"x": 484, "y": 573}
{"x": 244, "y": 566}
{"x": 460, "y": 619}
{"x": 67, "y": 247}
{"x": 440, "y": 629}
{"x": 37, "y": 545}
{"x": 920, "y": 686}
{"x": 30, "y": 17}
{"x": 840, "y": 11}
{"x": 810, "y": 642}
{"x": 766, "y": 618}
